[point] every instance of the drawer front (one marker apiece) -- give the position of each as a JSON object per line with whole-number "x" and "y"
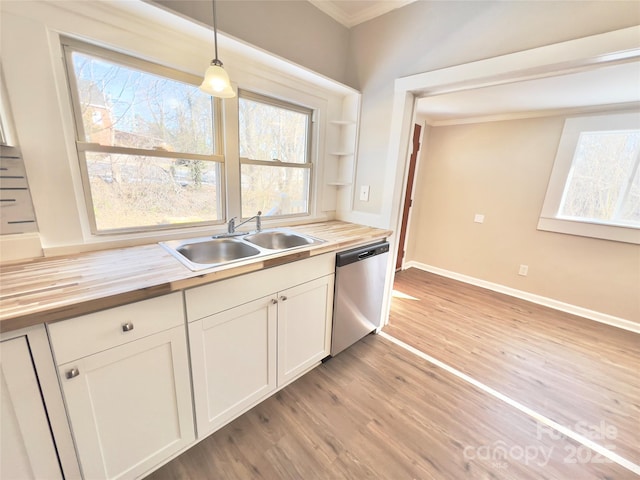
{"x": 88, "y": 334}
{"x": 16, "y": 211}
{"x": 12, "y": 172}
{"x": 16, "y": 208}
{"x": 219, "y": 296}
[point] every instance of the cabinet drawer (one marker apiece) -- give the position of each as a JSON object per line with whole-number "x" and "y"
{"x": 219, "y": 296}
{"x": 12, "y": 172}
{"x": 81, "y": 336}
{"x": 15, "y": 200}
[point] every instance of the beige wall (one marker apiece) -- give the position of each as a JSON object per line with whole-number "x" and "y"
{"x": 501, "y": 170}
{"x": 428, "y": 35}
{"x": 295, "y": 30}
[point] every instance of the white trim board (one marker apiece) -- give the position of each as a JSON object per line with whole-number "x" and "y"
{"x": 530, "y": 297}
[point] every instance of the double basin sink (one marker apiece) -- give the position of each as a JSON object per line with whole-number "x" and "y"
{"x": 207, "y": 252}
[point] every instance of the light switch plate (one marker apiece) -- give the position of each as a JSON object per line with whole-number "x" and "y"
{"x": 479, "y": 218}
{"x": 364, "y": 193}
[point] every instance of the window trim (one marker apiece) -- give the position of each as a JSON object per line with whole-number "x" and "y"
{"x": 549, "y": 219}
{"x": 70, "y": 45}
{"x": 308, "y": 164}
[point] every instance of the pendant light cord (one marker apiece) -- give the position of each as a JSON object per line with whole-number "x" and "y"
{"x": 215, "y": 33}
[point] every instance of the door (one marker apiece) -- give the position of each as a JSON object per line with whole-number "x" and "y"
{"x": 233, "y": 361}
{"x": 27, "y": 450}
{"x": 130, "y": 406}
{"x": 304, "y": 327}
{"x": 408, "y": 195}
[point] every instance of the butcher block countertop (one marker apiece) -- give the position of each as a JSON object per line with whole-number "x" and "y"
{"x": 50, "y": 289}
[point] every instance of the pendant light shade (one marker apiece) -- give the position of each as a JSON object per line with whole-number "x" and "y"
{"x": 216, "y": 80}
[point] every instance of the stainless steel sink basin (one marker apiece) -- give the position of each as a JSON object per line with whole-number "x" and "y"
{"x": 207, "y": 252}
{"x": 219, "y": 250}
{"x": 279, "y": 240}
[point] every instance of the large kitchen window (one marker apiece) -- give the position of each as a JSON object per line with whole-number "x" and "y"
{"x": 275, "y": 163}
{"x": 595, "y": 184}
{"x": 148, "y": 142}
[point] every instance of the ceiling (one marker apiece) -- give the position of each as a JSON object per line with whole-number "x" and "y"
{"x": 607, "y": 85}
{"x": 352, "y": 12}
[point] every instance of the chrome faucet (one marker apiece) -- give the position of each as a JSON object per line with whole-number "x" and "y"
{"x": 231, "y": 226}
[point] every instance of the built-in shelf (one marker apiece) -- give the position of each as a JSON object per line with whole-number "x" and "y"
{"x": 341, "y": 154}
{"x": 344, "y": 152}
{"x": 342, "y": 122}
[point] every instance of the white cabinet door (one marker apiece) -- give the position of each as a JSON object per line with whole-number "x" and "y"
{"x": 130, "y": 406}
{"x": 26, "y": 446}
{"x": 233, "y": 361}
{"x": 304, "y": 327}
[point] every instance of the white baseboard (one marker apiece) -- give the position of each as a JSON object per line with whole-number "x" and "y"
{"x": 531, "y": 297}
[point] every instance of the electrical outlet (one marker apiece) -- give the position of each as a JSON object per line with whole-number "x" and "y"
{"x": 364, "y": 193}
{"x": 479, "y": 218}
{"x": 524, "y": 270}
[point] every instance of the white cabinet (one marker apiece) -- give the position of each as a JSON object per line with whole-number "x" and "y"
{"x": 252, "y": 334}
{"x": 27, "y": 448}
{"x": 125, "y": 378}
{"x": 233, "y": 361}
{"x": 304, "y": 327}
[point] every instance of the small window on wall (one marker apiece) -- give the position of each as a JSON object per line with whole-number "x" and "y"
{"x": 594, "y": 188}
{"x": 146, "y": 143}
{"x": 275, "y": 163}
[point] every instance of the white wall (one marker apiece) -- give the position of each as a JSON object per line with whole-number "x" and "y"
{"x": 426, "y": 36}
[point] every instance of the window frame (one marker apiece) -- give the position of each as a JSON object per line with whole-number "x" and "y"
{"x": 307, "y": 165}
{"x": 70, "y": 45}
{"x": 550, "y": 219}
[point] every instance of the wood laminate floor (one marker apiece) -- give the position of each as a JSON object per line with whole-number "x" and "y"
{"x": 582, "y": 374}
{"x": 377, "y": 411}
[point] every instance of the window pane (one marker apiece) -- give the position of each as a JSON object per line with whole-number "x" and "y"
{"x": 137, "y": 191}
{"x": 125, "y": 107}
{"x": 599, "y": 184}
{"x": 630, "y": 211}
{"x": 269, "y": 132}
{"x": 274, "y": 190}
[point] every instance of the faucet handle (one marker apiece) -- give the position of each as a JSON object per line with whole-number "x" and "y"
{"x": 231, "y": 225}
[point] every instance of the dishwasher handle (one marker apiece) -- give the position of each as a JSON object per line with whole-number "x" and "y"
{"x": 361, "y": 253}
{"x": 368, "y": 253}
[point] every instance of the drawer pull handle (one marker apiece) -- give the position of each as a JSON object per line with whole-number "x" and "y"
{"x": 74, "y": 372}
{"x": 127, "y": 327}
{"x": 283, "y": 298}
{"x": 274, "y": 301}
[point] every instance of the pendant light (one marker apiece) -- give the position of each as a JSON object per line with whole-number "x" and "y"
{"x": 216, "y": 81}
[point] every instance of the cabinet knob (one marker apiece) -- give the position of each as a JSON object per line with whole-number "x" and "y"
{"x": 283, "y": 298}
{"x": 274, "y": 301}
{"x": 127, "y": 327}
{"x": 74, "y": 372}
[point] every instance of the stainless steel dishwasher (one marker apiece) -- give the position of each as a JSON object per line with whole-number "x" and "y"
{"x": 360, "y": 277}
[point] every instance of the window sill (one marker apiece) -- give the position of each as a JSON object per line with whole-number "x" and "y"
{"x": 593, "y": 230}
